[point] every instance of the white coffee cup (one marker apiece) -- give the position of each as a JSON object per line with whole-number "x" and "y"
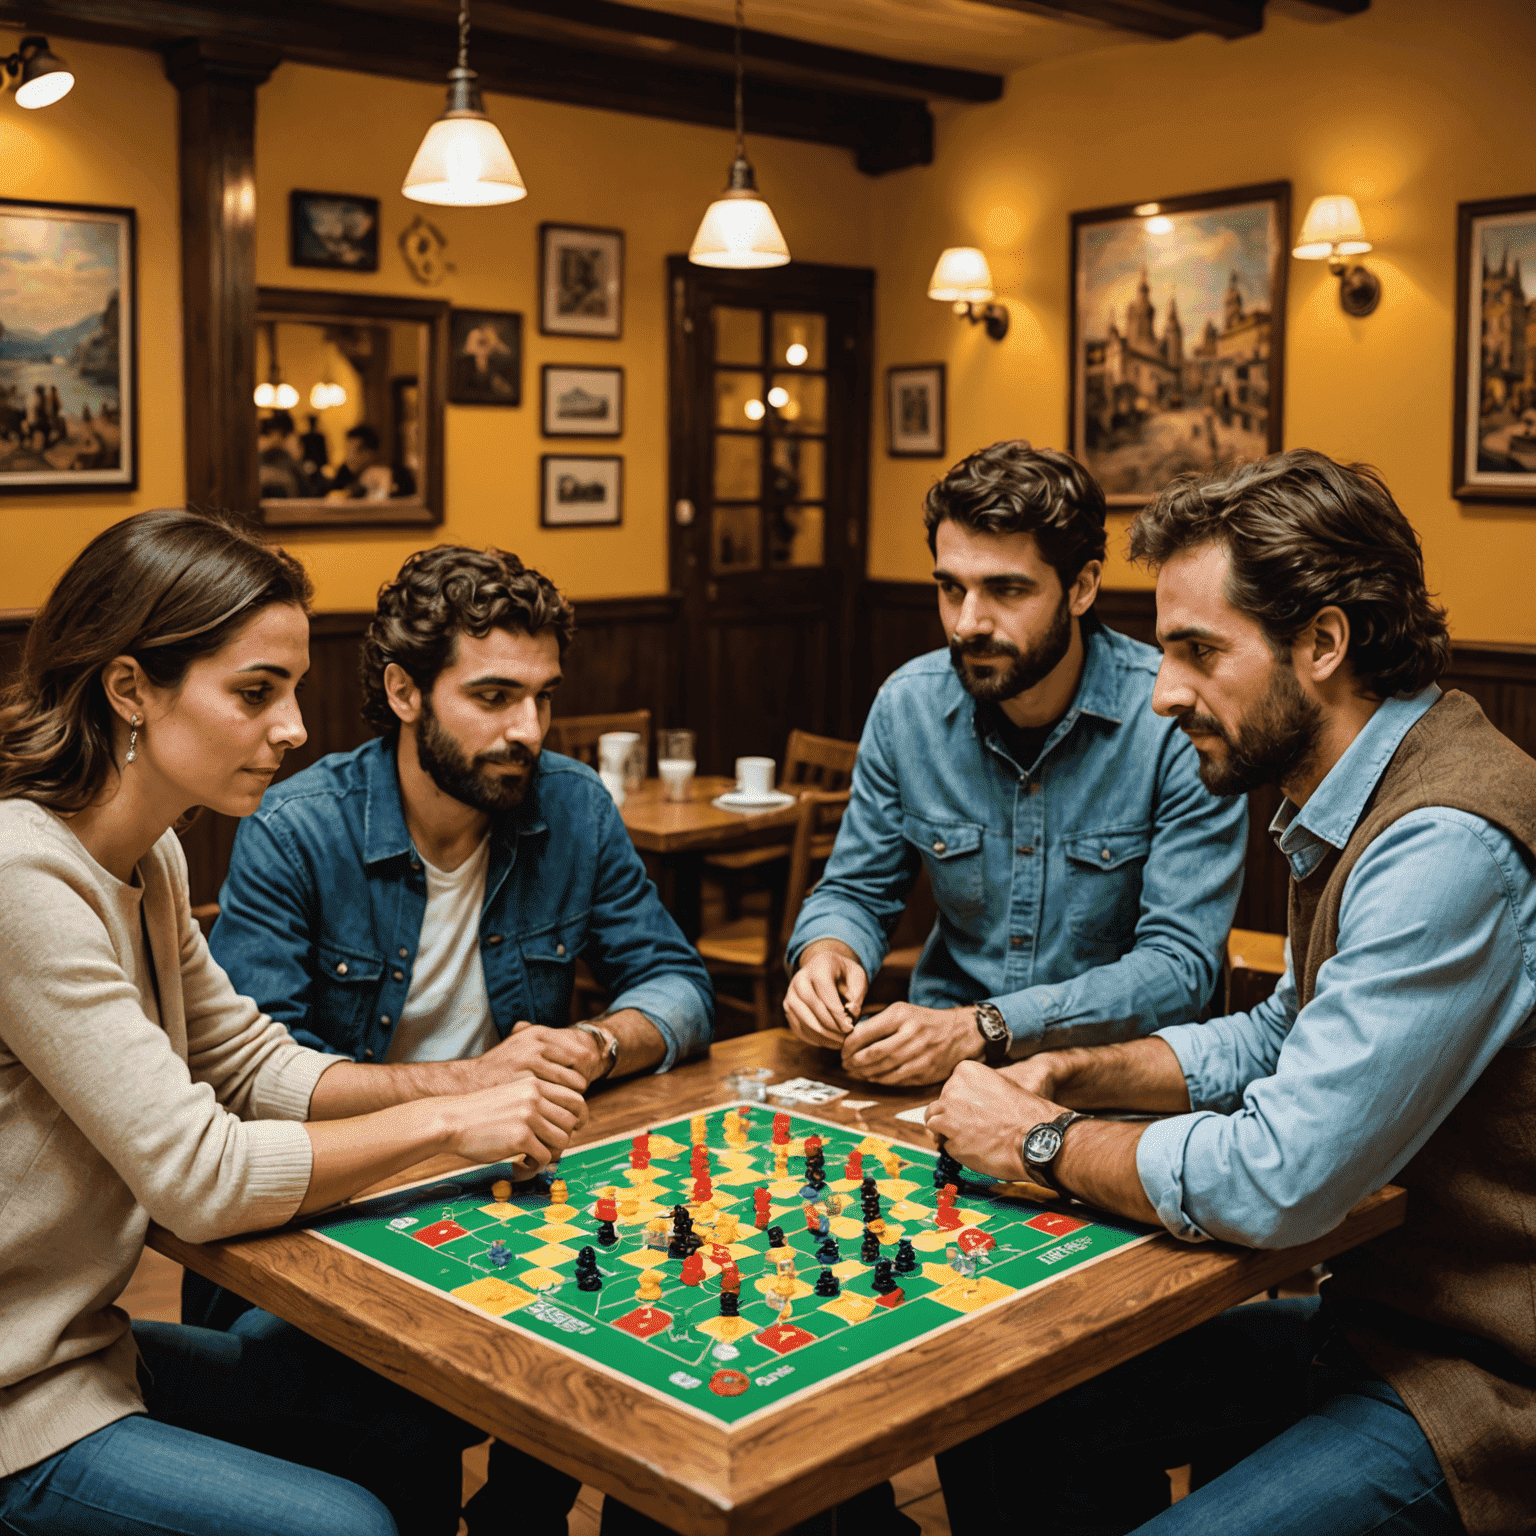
{"x": 614, "y": 784}
{"x": 620, "y": 752}
{"x": 676, "y": 774}
{"x": 754, "y": 777}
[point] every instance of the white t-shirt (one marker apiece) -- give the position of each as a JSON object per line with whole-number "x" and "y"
{"x": 447, "y": 1014}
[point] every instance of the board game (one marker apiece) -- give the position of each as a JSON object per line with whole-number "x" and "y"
{"x": 728, "y": 1261}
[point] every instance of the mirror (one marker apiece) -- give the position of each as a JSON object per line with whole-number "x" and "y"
{"x": 349, "y": 393}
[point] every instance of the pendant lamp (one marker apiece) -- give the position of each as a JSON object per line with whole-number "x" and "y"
{"x": 738, "y": 229}
{"x": 463, "y": 161}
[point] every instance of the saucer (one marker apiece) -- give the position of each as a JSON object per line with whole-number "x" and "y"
{"x": 734, "y": 800}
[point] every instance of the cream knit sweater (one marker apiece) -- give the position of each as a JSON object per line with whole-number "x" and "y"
{"x": 118, "y": 1107}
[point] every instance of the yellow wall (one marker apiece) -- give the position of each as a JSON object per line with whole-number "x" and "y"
{"x": 1410, "y": 107}
{"x": 111, "y": 140}
{"x": 330, "y": 131}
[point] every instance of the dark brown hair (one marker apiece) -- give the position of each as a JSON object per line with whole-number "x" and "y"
{"x": 1303, "y": 533}
{"x": 442, "y": 593}
{"x": 1013, "y": 488}
{"x": 162, "y": 587}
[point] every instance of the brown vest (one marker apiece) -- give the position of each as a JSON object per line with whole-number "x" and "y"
{"x": 1444, "y": 1307}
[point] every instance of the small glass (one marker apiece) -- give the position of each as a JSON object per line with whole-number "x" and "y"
{"x": 675, "y": 763}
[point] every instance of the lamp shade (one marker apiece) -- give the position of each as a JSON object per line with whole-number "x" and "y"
{"x": 738, "y": 230}
{"x": 464, "y": 162}
{"x": 45, "y": 78}
{"x": 1332, "y": 227}
{"x": 962, "y": 276}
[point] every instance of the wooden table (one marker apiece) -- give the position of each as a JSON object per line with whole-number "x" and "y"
{"x": 679, "y": 833}
{"x": 780, "y": 1468}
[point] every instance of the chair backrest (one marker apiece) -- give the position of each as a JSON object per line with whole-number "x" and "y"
{"x": 820, "y": 815}
{"x": 817, "y": 762}
{"x": 576, "y": 735}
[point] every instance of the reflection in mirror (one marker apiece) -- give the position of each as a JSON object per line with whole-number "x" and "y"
{"x": 345, "y": 394}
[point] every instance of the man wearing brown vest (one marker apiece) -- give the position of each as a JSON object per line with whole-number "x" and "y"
{"x": 1301, "y": 649}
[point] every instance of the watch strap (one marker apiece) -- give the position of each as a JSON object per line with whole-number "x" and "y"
{"x": 996, "y": 1038}
{"x": 607, "y": 1044}
{"x": 1044, "y": 1173}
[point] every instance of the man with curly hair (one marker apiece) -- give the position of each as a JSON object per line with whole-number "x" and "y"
{"x": 425, "y": 897}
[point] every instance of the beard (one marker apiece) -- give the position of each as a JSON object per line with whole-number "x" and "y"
{"x": 1276, "y": 738}
{"x": 1012, "y": 671}
{"x": 468, "y": 780}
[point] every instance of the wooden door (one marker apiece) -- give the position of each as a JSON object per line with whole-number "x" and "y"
{"x": 770, "y": 414}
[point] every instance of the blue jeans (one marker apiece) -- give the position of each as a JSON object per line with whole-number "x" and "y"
{"x": 1282, "y": 1442}
{"x": 261, "y": 1431}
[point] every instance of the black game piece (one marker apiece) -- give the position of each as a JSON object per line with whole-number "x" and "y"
{"x": 906, "y": 1259}
{"x": 869, "y": 1187}
{"x": 827, "y": 1284}
{"x": 829, "y": 1252}
{"x": 587, "y": 1277}
{"x": 946, "y": 1171}
{"x": 871, "y": 1207}
{"x": 692, "y": 1242}
{"x": 682, "y": 1231}
{"x": 606, "y": 1234}
{"x": 775, "y": 1237}
{"x": 884, "y": 1281}
{"x": 870, "y": 1250}
{"x": 730, "y": 1304}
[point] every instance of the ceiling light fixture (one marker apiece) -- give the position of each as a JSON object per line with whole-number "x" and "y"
{"x": 738, "y": 229}
{"x": 963, "y": 278}
{"x": 463, "y": 161}
{"x": 40, "y": 76}
{"x": 1331, "y": 231}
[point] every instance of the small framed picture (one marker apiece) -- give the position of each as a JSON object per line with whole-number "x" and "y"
{"x": 581, "y": 490}
{"x": 583, "y": 402}
{"x": 485, "y": 357}
{"x": 581, "y": 281}
{"x": 916, "y": 400}
{"x": 333, "y": 230}
{"x": 1494, "y": 446}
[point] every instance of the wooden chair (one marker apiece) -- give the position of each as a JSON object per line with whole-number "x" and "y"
{"x": 1255, "y": 962}
{"x": 576, "y": 735}
{"x": 205, "y": 916}
{"x": 753, "y": 946}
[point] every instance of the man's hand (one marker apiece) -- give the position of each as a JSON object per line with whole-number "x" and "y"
{"x": 825, "y": 994}
{"x": 907, "y": 1044}
{"x": 983, "y": 1117}
{"x": 569, "y": 1058}
{"x": 527, "y": 1119}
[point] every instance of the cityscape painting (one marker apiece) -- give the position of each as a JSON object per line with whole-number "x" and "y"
{"x": 1495, "y": 436}
{"x": 1178, "y": 336}
{"x": 67, "y": 397}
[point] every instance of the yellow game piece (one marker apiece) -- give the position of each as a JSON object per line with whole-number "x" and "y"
{"x": 786, "y": 1311}
{"x": 628, "y": 1209}
{"x": 705, "y": 1212}
{"x": 872, "y": 1146}
{"x": 698, "y": 1130}
{"x": 501, "y": 1190}
{"x": 725, "y": 1229}
{"x": 785, "y": 1286}
{"x": 557, "y": 1192}
{"x": 786, "y": 1264}
{"x": 892, "y": 1164}
{"x": 877, "y": 1226}
{"x": 650, "y": 1286}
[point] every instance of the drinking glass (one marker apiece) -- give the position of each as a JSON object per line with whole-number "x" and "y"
{"x": 675, "y": 762}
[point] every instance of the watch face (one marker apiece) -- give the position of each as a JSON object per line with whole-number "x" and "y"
{"x": 993, "y": 1028}
{"x": 1042, "y": 1144}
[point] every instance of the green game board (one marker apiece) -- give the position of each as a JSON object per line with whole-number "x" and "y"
{"x": 437, "y": 1234}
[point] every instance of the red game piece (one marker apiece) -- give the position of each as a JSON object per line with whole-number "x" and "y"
{"x": 702, "y": 1189}
{"x": 700, "y": 1160}
{"x": 607, "y": 1208}
{"x": 973, "y": 1240}
{"x": 719, "y": 1255}
{"x": 640, "y": 1151}
{"x": 780, "y": 1129}
{"x": 729, "y": 1383}
{"x": 812, "y": 1220}
{"x": 693, "y": 1269}
{"x": 854, "y": 1169}
{"x": 946, "y": 1196}
{"x": 761, "y": 1207}
{"x": 812, "y": 1146}
{"x": 948, "y": 1219}
{"x": 730, "y": 1276}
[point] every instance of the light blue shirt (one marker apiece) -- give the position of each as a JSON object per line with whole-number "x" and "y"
{"x": 1298, "y": 1115}
{"x": 1088, "y": 894}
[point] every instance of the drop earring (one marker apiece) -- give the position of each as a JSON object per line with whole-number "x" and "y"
{"x": 133, "y": 739}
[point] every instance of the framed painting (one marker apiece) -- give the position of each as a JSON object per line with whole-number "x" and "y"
{"x": 581, "y": 281}
{"x": 915, "y": 402}
{"x": 583, "y": 402}
{"x": 1494, "y": 443}
{"x": 68, "y": 348}
{"x": 333, "y": 230}
{"x": 581, "y": 490}
{"x": 485, "y": 357}
{"x": 1178, "y": 336}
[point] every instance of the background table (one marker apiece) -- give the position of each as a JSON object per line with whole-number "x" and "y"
{"x": 782, "y": 1468}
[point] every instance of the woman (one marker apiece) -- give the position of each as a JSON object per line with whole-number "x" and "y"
{"x": 135, "y": 1085}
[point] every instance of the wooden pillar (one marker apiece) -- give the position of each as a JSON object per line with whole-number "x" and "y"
{"x": 217, "y": 82}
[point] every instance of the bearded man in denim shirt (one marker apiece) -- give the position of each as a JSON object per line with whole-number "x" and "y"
{"x": 1085, "y": 877}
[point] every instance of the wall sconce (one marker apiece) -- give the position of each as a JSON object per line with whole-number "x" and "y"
{"x": 40, "y": 76}
{"x": 1331, "y": 231}
{"x": 963, "y": 278}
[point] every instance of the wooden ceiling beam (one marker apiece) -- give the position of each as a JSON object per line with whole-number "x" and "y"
{"x": 1169, "y": 19}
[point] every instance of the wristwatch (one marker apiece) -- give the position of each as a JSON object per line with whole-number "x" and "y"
{"x": 607, "y": 1044}
{"x": 1043, "y": 1144}
{"x": 995, "y": 1038}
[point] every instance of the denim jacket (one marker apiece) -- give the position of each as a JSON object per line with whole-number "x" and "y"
{"x": 1087, "y": 894}
{"x": 320, "y": 918}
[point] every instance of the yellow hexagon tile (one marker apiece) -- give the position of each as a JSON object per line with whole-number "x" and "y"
{"x": 646, "y": 1258}
{"x": 664, "y": 1146}
{"x": 931, "y": 1242}
{"x": 560, "y": 1212}
{"x": 725, "y": 1329}
{"x": 500, "y": 1210}
{"x": 542, "y": 1279}
{"x": 765, "y": 1284}
{"x": 969, "y": 1295}
{"x": 941, "y": 1274}
{"x": 550, "y": 1254}
{"x": 493, "y": 1296}
{"x": 845, "y": 1227}
{"x": 894, "y": 1189}
{"x": 558, "y": 1232}
{"x": 849, "y": 1268}
{"x": 852, "y": 1309}
{"x": 905, "y": 1210}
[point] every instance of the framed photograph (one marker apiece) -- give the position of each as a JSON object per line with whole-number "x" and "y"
{"x": 915, "y": 396}
{"x": 333, "y": 230}
{"x": 68, "y": 348}
{"x": 583, "y": 402}
{"x": 1494, "y": 443}
{"x": 581, "y": 281}
{"x": 485, "y": 357}
{"x": 1178, "y": 336}
{"x": 580, "y": 490}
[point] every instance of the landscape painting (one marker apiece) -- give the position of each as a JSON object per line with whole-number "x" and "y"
{"x": 67, "y": 396}
{"x": 1178, "y": 336}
